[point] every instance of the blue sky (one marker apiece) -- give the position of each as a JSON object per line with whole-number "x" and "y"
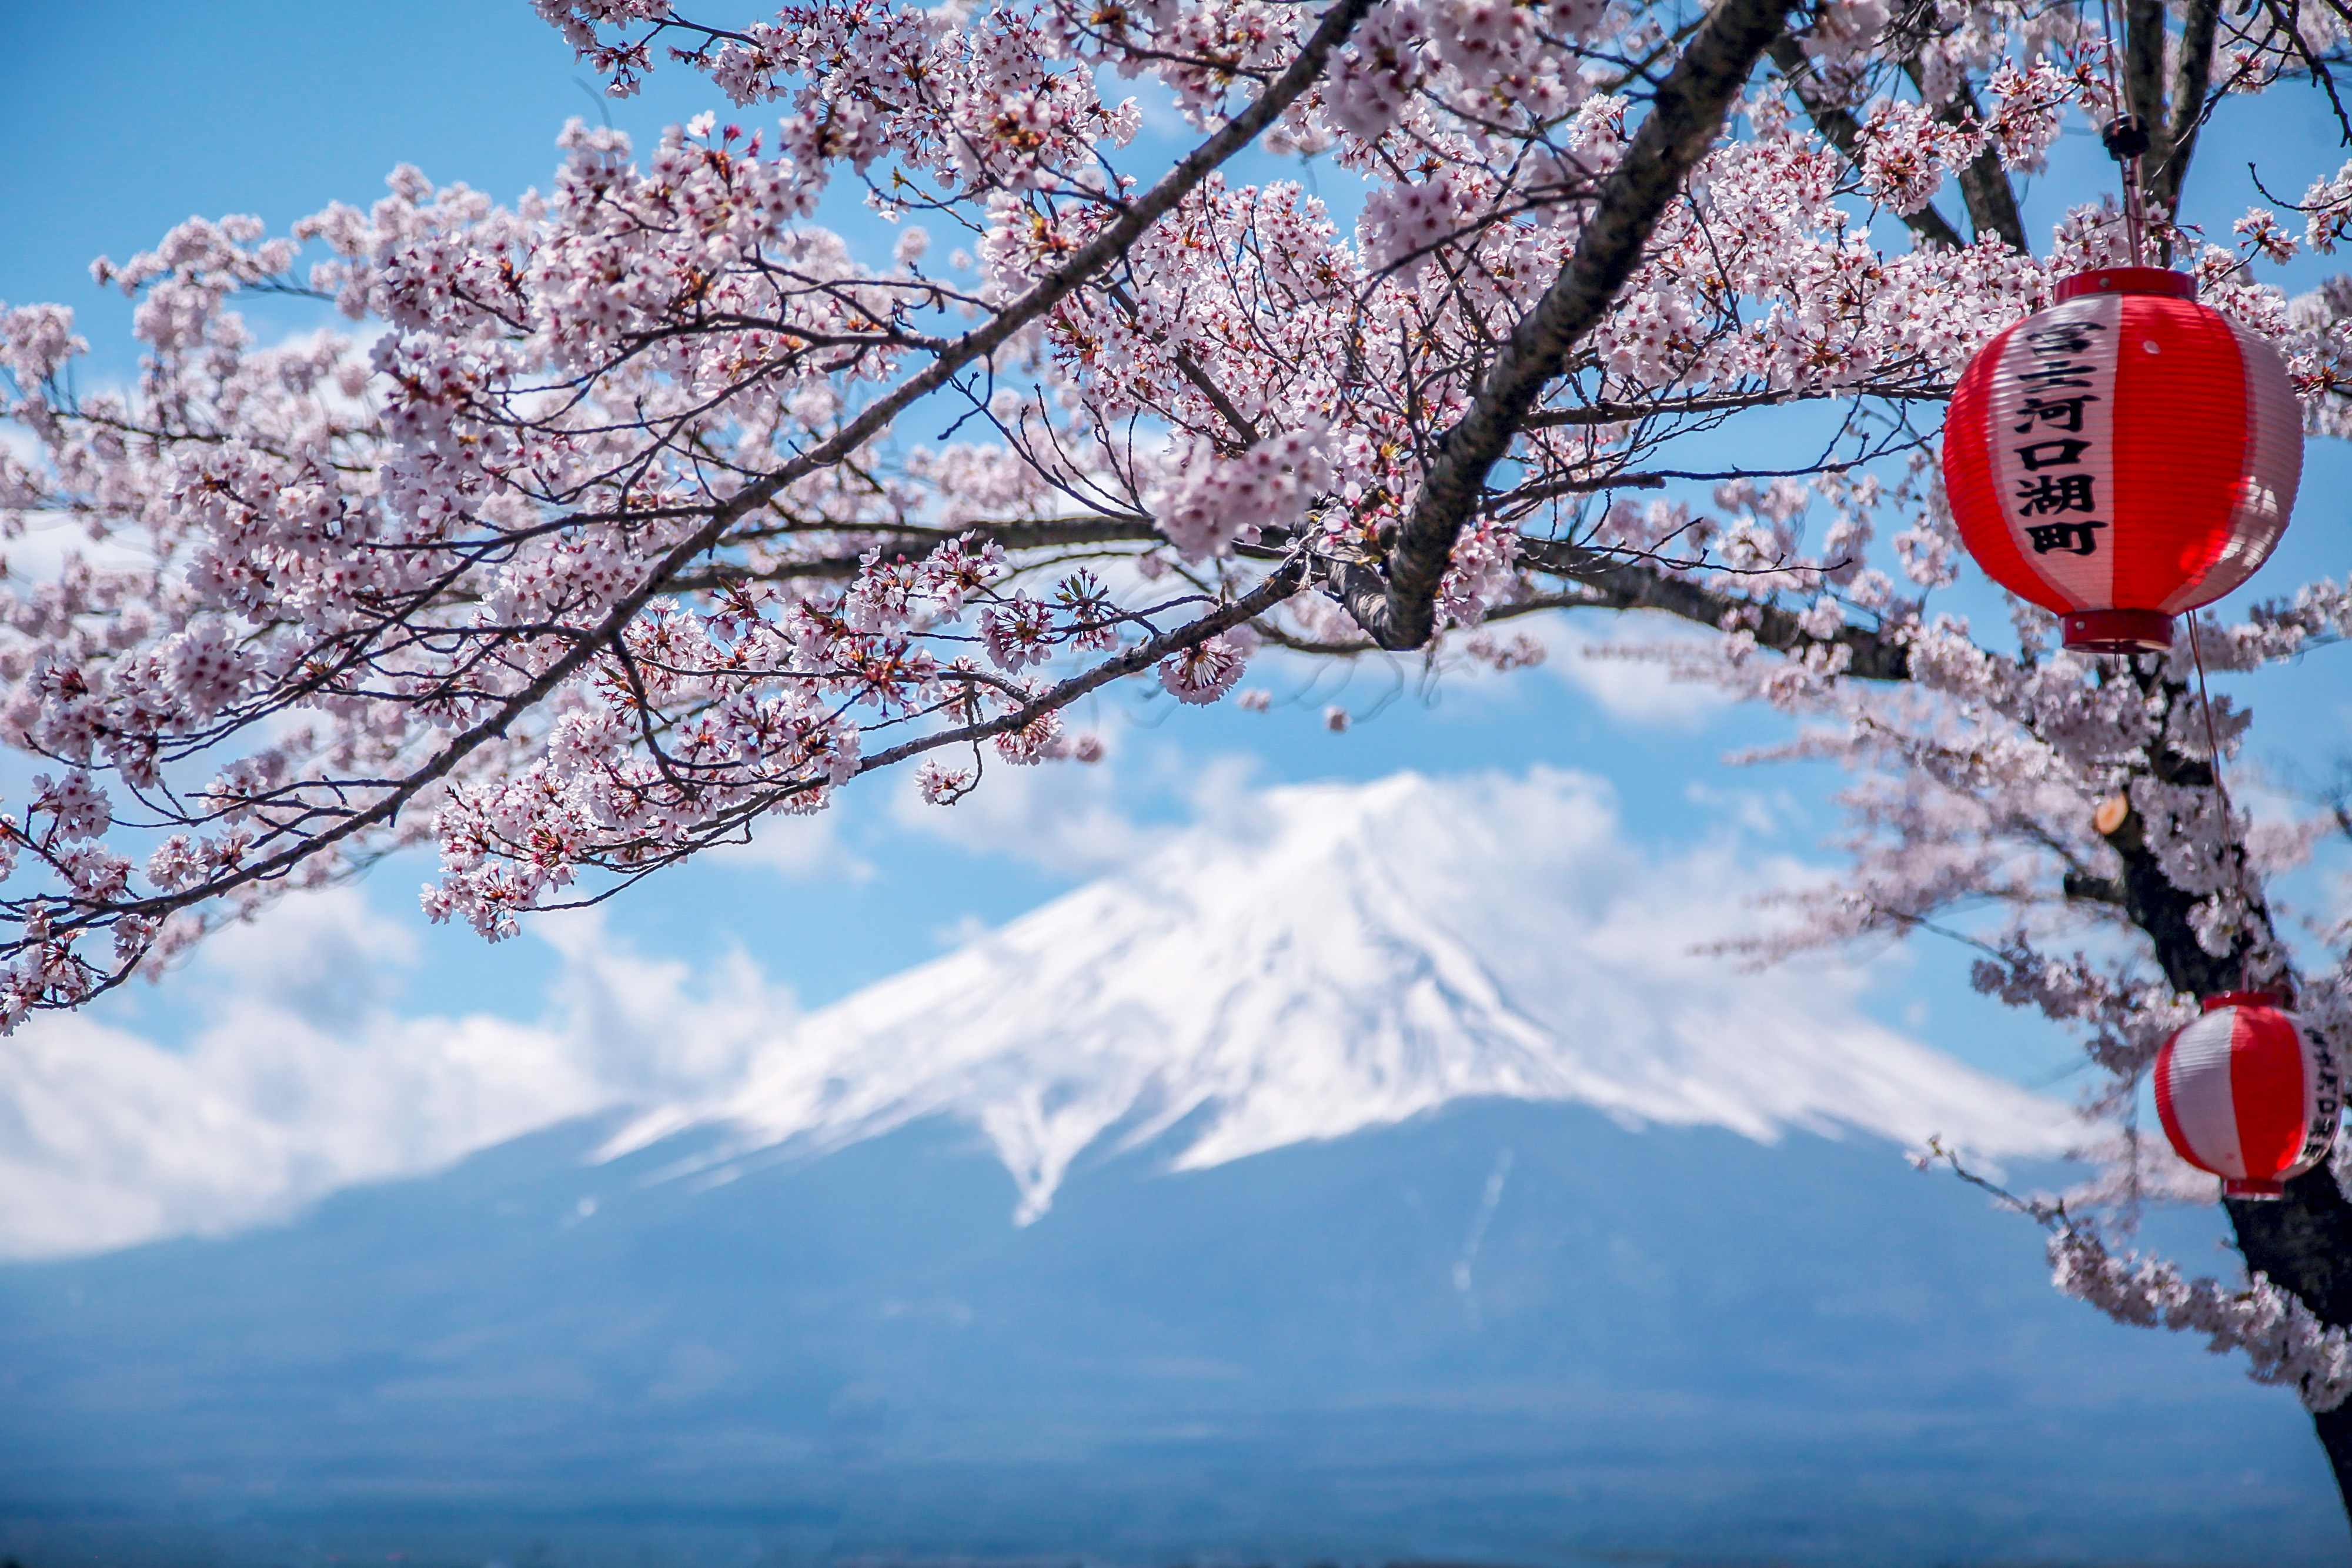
{"x": 116, "y": 121}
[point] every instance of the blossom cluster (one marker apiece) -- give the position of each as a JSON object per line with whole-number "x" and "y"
{"x": 2283, "y": 1342}
{"x": 606, "y": 544}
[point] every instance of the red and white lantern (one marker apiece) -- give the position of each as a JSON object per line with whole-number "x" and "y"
{"x": 2122, "y": 456}
{"x": 2249, "y": 1092}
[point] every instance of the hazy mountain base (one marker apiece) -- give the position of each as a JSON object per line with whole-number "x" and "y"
{"x": 1657, "y": 1345}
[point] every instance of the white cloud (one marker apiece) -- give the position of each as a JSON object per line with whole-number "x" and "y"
{"x": 1614, "y": 663}
{"x": 800, "y": 849}
{"x": 301, "y": 1078}
{"x": 38, "y": 554}
{"x": 1766, "y": 814}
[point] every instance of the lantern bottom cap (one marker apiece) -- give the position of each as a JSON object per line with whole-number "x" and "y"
{"x": 2117, "y": 630}
{"x": 2254, "y": 1191}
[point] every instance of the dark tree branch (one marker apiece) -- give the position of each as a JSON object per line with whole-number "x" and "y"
{"x": 1613, "y": 582}
{"x": 2162, "y": 911}
{"x": 1015, "y": 538}
{"x": 1721, "y": 402}
{"x": 1190, "y": 367}
{"x": 2302, "y": 1242}
{"x": 2191, "y": 82}
{"x": 1984, "y": 184}
{"x": 2143, "y": 65}
{"x": 1398, "y": 610}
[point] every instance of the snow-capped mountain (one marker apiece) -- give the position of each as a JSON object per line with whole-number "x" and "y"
{"x": 1371, "y": 1175}
{"x": 1307, "y": 963}
{"x": 1344, "y": 957}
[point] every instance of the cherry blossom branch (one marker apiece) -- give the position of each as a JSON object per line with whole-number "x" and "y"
{"x": 1985, "y": 189}
{"x": 1397, "y": 608}
{"x": 1020, "y": 714}
{"x": 1839, "y": 127}
{"x": 2284, "y": 1341}
{"x": 1609, "y": 581}
{"x": 1271, "y": 591}
{"x": 1724, "y": 403}
{"x": 1056, "y": 534}
{"x": 70, "y": 916}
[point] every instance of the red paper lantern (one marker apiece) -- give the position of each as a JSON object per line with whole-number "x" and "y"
{"x": 2248, "y": 1092}
{"x": 2122, "y": 456}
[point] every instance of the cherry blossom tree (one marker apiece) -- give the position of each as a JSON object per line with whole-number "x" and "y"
{"x": 605, "y": 534}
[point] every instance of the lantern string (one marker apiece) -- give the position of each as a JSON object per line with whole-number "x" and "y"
{"x": 2126, "y": 138}
{"x": 2213, "y": 748}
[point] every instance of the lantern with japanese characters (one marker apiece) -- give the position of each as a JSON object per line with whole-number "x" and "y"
{"x": 2249, "y": 1092}
{"x": 2124, "y": 456}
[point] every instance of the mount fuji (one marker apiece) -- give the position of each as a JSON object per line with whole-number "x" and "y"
{"x": 1374, "y": 1173}
{"x": 1338, "y": 959}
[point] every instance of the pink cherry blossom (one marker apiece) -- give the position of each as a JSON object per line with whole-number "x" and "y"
{"x": 636, "y": 510}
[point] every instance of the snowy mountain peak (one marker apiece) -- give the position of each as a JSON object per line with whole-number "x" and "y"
{"x": 1337, "y": 958}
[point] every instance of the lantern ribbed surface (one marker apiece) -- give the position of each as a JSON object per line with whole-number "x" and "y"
{"x": 2122, "y": 456}
{"x": 2249, "y": 1092}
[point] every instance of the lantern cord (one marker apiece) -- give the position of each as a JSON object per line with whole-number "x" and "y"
{"x": 2213, "y": 749}
{"x": 2127, "y": 138}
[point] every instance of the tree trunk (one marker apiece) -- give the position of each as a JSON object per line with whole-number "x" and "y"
{"x": 2302, "y": 1242}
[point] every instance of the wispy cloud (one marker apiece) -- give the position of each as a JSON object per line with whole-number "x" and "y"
{"x": 800, "y": 848}
{"x": 1613, "y": 663}
{"x": 1085, "y": 821}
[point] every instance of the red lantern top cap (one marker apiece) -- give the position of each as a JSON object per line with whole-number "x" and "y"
{"x": 2242, "y": 1000}
{"x": 2129, "y": 280}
